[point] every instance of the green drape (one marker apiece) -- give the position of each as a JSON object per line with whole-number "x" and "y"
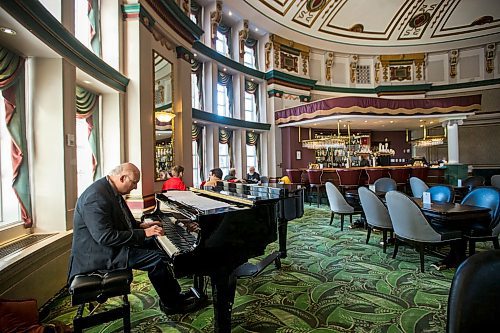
{"x": 226, "y": 31}
{"x": 12, "y": 86}
{"x": 197, "y": 135}
{"x": 227, "y": 81}
{"x": 94, "y": 15}
{"x": 225, "y": 137}
{"x": 87, "y": 107}
{"x": 252, "y": 43}
{"x": 253, "y": 88}
{"x": 197, "y": 69}
{"x": 252, "y": 139}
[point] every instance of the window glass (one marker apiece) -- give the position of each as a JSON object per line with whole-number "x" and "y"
{"x": 252, "y": 157}
{"x": 250, "y": 109}
{"x": 195, "y": 92}
{"x": 9, "y": 205}
{"x": 222, "y": 101}
{"x": 224, "y": 159}
{"x": 83, "y": 156}
{"x": 249, "y": 57}
{"x": 82, "y": 23}
{"x": 196, "y": 164}
{"x": 221, "y": 45}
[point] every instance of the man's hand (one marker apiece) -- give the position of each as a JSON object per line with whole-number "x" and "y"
{"x": 192, "y": 226}
{"x": 147, "y": 224}
{"x": 154, "y": 231}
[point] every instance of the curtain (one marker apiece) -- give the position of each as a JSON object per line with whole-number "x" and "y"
{"x": 87, "y": 107}
{"x": 252, "y": 43}
{"x": 252, "y": 139}
{"x": 227, "y": 80}
{"x": 197, "y": 135}
{"x": 197, "y": 69}
{"x": 226, "y": 30}
{"x": 253, "y": 88}
{"x": 94, "y": 15}
{"x": 12, "y": 87}
{"x": 225, "y": 137}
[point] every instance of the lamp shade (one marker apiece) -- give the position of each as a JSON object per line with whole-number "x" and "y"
{"x": 164, "y": 116}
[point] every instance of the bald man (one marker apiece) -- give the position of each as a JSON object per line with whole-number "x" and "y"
{"x": 107, "y": 237}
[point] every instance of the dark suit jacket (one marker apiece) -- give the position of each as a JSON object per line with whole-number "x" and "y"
{"x": 102, "y": 234}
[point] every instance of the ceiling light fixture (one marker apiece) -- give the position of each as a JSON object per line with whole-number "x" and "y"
{"x": 256, "y": 29}
{"x": 164, "y": 116}
{"x": 230, "y": 13}
{"x": 428, "y": 140}
{"x": 8, "y": 31}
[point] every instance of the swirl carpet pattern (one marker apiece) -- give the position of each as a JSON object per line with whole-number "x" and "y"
{"x": 331, "y": 281}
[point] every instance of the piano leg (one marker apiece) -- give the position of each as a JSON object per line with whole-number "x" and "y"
{"x": 282, "y": 231}
{"x": 223, "y": 290}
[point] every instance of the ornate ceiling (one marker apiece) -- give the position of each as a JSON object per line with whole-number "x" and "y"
{"x": 363, "y": 25}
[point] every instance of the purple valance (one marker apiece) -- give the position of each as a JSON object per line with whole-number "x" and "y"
{"x": 373, "y": 106}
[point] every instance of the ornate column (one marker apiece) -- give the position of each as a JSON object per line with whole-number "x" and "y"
{"x": 452, "y": 130}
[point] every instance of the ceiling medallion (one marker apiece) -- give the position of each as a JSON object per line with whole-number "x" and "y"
{"x": 315, "y": 5}
{"x": 357, "y": 28}
{"x": 419, "y": 20}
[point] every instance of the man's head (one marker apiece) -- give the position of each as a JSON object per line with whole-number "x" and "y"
{"x": 217, "y": 172}
{"x": 251, "y": 170}
{"x": 125, "y": 177}
{"x": 232, "y": 172}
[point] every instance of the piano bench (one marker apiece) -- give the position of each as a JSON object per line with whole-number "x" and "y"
{"x": 98, "y": 287}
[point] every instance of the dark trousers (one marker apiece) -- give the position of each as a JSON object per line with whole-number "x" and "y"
{"x": 151, "y": 259}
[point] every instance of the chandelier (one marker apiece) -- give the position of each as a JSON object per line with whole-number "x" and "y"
{"x": 428, "y": 140}
{"x": 326, "y": 142}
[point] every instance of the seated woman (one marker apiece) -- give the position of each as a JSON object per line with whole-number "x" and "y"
{"x": 175, "y": 182}
{"x": 231, "y": 176}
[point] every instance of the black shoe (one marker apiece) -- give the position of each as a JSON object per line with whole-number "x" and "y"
{"x": 357, "y": 224}
{"x": 183, "y": 306}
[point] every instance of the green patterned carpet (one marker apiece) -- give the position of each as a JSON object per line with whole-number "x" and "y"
{"x": 331, "y": 281}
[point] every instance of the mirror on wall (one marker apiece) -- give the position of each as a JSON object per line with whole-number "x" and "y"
{"x": 164, "y": 116}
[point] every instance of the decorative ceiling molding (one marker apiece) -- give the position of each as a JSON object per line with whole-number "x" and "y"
{"x": 382, "y": 23}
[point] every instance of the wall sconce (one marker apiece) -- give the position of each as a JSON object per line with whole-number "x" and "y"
{"x": 164, "y": 116}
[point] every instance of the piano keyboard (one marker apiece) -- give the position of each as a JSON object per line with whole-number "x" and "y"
{"x": 176, "y": 239}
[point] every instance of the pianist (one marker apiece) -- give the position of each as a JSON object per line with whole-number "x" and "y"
{"x": 106, "y": 237}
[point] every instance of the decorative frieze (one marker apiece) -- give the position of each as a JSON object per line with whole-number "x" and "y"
{"x": 402, "y": 67}
{"x": 215, "y": 20}
{"x": 329, "y": 64}
{"x": 353, "y": 64}
{"x": 267, "y": 49}
{"x": 287, "y": 54}
{"x": 243, "y": 36}
{"x": 489, "y": 53}
{"x": 453, "y": 60}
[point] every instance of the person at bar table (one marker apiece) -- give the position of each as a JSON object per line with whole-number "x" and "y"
{"x": 252, "y": 176}
{"x": 364, "y": 161}
{"x": 175, "y": 182}
{"x": 107, "y": 237}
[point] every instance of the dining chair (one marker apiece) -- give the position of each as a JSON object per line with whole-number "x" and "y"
{"x": 339, "y": 205}
{"x": 376, "y": 213}
{"x": 385, "y": 185}
{"x": 418, "y": 187}
{"x": 474, "y": 298}
{"x": 473, "y": 182}
{"x": 489, "y": 197}
{"x": 411, "y": 226}
{"x": 442, "y": 194}
{"x": 495, "y": 181}
{"x": 264, "y": 180}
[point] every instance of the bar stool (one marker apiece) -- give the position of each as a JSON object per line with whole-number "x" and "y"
{"x": 400, "y": 176}
{"x": 374, "y": 174}
{"x": 419, "y": 172}
{"x": 295, "y": 175}
{"x": 348, "y": 179}
{"x": 314, "y": 177}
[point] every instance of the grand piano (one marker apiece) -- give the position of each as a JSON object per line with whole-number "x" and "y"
{"x": 234, "y": 226}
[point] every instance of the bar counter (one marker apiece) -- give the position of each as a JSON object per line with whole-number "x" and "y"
{"x": 368, "y": 175}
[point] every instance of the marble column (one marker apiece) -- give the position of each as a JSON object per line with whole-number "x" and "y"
{"x": 452, "y": 130}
